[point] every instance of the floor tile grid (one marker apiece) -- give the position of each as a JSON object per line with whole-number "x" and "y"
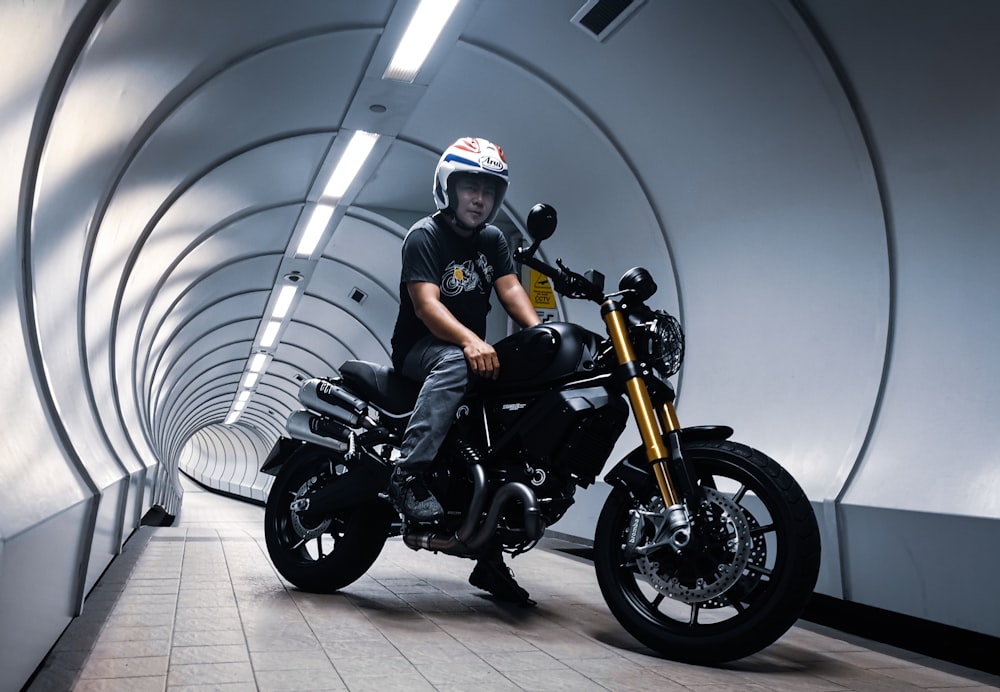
{"x": 200, "y": 607}
{"x": 572, "y": 630}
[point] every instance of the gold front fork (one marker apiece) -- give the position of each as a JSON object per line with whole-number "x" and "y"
{"x": 642, "y": 406}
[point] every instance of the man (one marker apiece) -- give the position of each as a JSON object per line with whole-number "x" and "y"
{"x": 451, "y": 263}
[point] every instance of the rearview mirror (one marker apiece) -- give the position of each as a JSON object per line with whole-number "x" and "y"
{"x": 541, "y": 222}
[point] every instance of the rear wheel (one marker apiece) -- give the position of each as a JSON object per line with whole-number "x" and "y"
{"x": 740, "y": 583}
{"x": 324, "y": 553}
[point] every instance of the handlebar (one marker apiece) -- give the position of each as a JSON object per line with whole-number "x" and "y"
{"x": 564, "y": 280}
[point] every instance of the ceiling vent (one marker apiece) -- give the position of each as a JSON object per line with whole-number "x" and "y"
{"x": 600, "y": 18}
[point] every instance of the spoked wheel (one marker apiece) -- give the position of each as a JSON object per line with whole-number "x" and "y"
{"x": 323, "y": 553}
{"x": 742, "y": 580}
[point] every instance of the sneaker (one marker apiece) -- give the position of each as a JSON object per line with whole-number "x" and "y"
{"x": 411, "y": 496}
{"x": 494, "y": 576}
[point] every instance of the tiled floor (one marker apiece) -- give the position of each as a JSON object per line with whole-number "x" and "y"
{"x": 197, "y": 606}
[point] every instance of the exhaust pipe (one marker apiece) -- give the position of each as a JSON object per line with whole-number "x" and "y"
{"x": 330, "y": 399}
{"x": 308, "y": 426}
{"x": 466, "y": 542}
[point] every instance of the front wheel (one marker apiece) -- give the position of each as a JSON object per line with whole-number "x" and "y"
{"x": 742, "y": 580}
{"x": 321, "y": 554}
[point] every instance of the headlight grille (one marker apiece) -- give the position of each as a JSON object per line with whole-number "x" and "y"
{"x": 666, "y": 343}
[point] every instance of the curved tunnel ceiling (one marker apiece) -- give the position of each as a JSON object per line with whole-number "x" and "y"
{"x": 186, "y": 149}
{"x": 188, "y": 146}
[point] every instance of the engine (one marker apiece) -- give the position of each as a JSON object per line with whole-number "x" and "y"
{"x": 552, "y": 442}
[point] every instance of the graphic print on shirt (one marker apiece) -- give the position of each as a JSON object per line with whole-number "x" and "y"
{"x": 459, "y": 278}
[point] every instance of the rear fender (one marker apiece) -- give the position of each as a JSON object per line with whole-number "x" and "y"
{"x": 635, "y": 470}
{"x": 356, "y": 482}
{"x": 281, "y": 452}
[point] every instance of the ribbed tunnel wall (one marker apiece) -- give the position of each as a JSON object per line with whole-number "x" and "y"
{"x": 813, "y": 184}
{"x": 216, "y": 456}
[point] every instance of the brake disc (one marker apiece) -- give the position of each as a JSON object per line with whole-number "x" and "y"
{"x": 725, "y": 521}
{"x": 306, "y": 532}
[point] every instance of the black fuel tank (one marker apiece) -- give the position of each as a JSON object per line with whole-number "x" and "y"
{"x": 548, "y": 352}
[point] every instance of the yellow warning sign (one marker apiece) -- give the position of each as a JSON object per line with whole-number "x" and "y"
{"x": 540, "y": 291}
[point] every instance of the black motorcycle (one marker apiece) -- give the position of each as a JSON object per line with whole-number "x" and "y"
{"x": 706, "y": 550}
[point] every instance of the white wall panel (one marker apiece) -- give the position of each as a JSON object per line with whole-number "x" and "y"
{"x": 930, "y": 450}
{"x": 926, "y": 496}
{"x": 46, "y": 506}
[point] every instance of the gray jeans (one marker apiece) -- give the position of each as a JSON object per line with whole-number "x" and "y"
{"x": 445, "y": 374}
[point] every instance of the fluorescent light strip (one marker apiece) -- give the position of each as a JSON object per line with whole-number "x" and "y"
{"x": 314, "y": 230}
{"x": 343, "y": 175}
{"x": 284, "y": 301}
{"x": 257, "y": 362}
{"x": 418, "y": 39}
{"x": 253, "y": 375}
{"x": 270, "y": 334}
{"x": 350, "y": 163}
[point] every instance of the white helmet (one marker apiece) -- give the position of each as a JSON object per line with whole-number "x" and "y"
{"x": 472, "y": 155}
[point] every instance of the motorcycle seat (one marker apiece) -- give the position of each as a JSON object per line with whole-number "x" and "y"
{"x": 381, "y": 385}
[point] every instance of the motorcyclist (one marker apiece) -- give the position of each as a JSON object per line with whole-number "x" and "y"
{"x": 452, "y": 261}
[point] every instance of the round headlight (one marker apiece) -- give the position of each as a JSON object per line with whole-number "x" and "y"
{"x": 639, "y": 281}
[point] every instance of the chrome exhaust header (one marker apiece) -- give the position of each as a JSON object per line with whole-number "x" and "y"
{"x": 474, "y": 536}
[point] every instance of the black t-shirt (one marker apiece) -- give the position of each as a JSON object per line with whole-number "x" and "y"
{"x": 464, "y": 269}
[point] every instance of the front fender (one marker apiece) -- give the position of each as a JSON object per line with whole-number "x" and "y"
{"x": 635, "y": 470}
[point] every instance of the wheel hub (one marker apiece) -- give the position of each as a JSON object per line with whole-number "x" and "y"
{"x": 704, "y": 575}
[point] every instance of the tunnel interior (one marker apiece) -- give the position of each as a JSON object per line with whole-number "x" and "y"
{"x": 812, "y": 184}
